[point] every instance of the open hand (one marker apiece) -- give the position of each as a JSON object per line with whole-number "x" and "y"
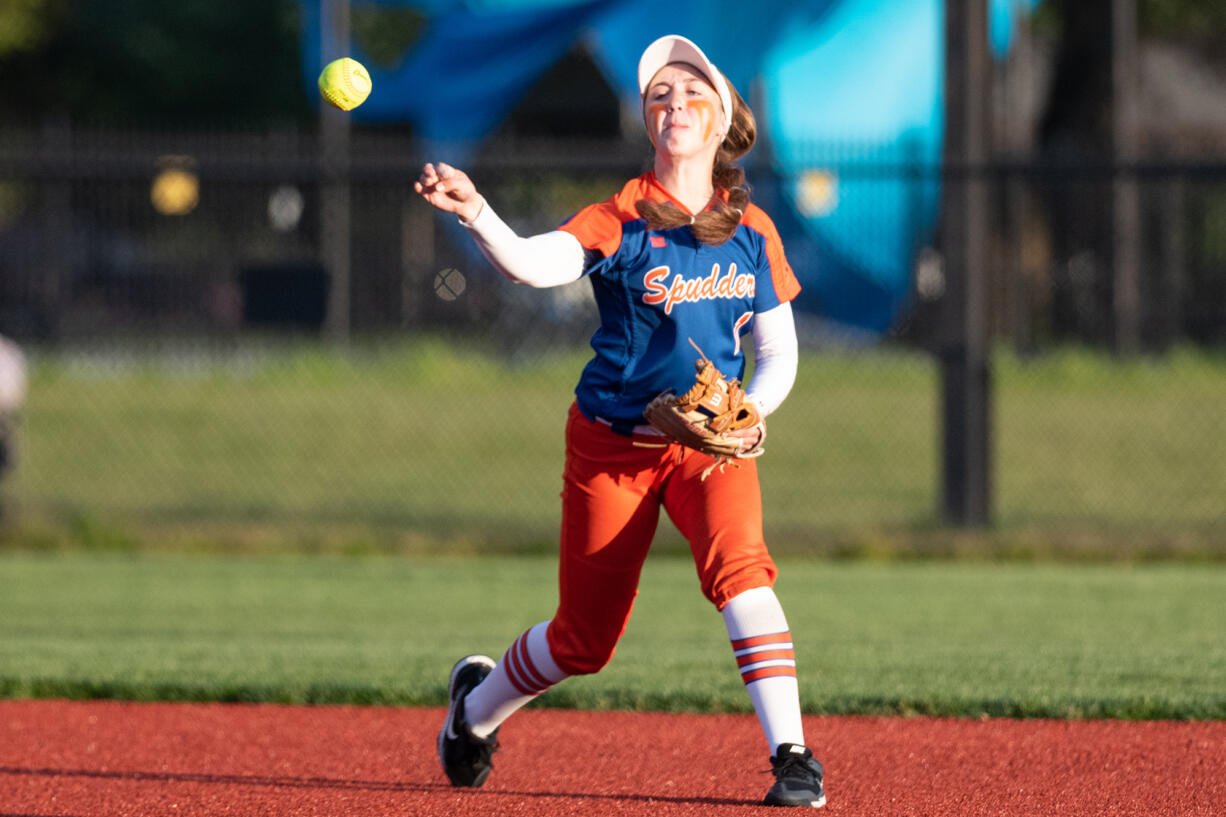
{"x": 450, "y": 190}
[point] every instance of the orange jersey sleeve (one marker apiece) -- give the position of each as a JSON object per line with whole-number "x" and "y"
{"x": 599, "y": 226}
{"x": 787, "y": 287}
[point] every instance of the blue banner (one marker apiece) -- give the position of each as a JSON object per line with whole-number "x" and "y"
{"x": 848, "y": 94}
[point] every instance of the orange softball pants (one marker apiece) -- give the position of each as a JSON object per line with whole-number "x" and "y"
{"x": 612, "y": 493}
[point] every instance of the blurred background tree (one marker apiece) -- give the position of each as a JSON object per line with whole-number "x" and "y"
{"x": 1079, "y": 103}
{"x": 190, "y": 61}
{"x": 1196, "y": 22}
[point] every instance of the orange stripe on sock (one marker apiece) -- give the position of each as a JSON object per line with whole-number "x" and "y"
{"x": 520, "y": 672}
{"x": 764, "y": 655}
{"x": 531, "y": 674}
{"x": 768, "y": 672}
{"x": 513, "y": 673}
{"x": 759, "y": 640}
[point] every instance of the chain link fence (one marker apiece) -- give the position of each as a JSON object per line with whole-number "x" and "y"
{"x": 188, "y": 383}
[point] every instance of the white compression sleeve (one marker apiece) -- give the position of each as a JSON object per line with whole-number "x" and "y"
{"x": 544, "y": 260}
{"x": 775, "y": 357}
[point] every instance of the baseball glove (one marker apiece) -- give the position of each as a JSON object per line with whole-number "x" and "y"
{"x": 703, "y": 417}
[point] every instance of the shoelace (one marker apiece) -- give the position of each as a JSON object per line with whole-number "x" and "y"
{"x": 795, "y": 767}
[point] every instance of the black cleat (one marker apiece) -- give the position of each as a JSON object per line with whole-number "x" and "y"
{"x": 466, "y": 758}
{"x": 798, "y": 778}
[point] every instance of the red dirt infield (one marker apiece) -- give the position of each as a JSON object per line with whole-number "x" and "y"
{"x": 90, "y": 759}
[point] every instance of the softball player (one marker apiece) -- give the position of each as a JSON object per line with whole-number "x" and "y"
{"x": 679, "y": 254}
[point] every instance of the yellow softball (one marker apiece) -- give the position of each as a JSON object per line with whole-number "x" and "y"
{"x": 344, "y": 83}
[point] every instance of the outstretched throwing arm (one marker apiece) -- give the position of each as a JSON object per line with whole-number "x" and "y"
{"x": 544, "y": 260}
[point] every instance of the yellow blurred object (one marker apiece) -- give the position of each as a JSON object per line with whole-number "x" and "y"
{"x": 344, "y": 83}
{"x": 175, "y": 192}
{"x": 818, "y": 193}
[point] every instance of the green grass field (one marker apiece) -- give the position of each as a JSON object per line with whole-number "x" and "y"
{"x": 416, "y": 447}
{"x": 1131, "y": 641}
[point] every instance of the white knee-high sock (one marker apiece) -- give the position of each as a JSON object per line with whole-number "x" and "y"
{"x": 526, "y": 670}
{"x": 762, "y": 644}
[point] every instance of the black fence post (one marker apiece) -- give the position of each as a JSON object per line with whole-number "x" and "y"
{"x": 1126, "y": 197}
{"x": 965, "y": 370}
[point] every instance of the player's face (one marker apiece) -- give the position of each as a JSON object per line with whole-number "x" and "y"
{"x": 683, "y": 113}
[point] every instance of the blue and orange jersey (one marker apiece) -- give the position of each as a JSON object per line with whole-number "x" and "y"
{"x": 659, "y": 289}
